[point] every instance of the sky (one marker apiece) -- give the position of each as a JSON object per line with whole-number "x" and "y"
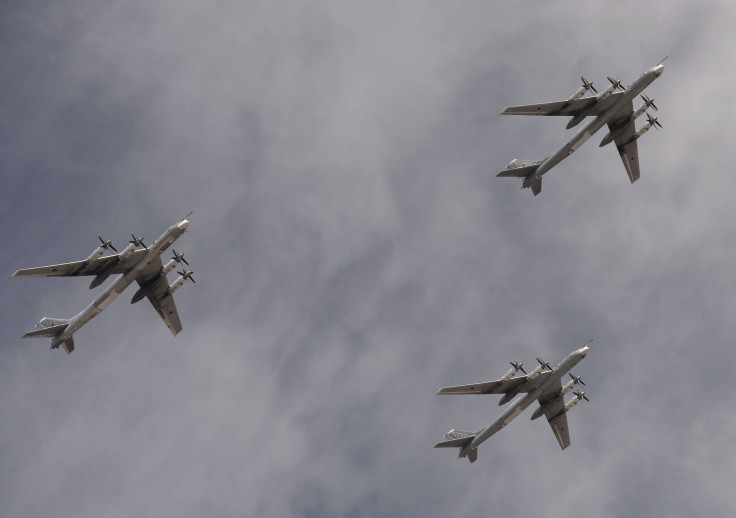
{"x": 354, "y": 252}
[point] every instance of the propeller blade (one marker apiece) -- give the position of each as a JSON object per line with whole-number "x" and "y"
{"x": 179, "y": 258}
{"x": 137, "y": 241}
{"x": 581, "y": 395}
{"x": 616, "y": 83}
{"x": 187, "y": 275}
{"x": 588, "y": 85}
{"x": 518, "y": 366}
{"x": 106, "y": 243}
{"x": 544, "y": 364}
{"x": 577, "y": 379}
{"x": 653, "y": 121}
{"x": 649, "y": 102}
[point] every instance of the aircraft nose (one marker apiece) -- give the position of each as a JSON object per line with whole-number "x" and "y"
{"x": 659, "y": 69}
{"x": 184, "y": 225}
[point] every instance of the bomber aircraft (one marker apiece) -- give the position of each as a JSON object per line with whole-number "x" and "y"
{"x": 543, "y": 384}
{"x": 612, "y": 107}
{"x": 134, "y": 264}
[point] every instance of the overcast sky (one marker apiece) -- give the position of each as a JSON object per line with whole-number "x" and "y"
{"x": 354, "y": 252}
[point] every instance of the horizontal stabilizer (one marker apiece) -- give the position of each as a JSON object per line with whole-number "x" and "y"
{"x": 518, "y": 168}
{"x": 46, "y": 331}
{"x": 456, "y": 439}
{"x": 48, "y": 327}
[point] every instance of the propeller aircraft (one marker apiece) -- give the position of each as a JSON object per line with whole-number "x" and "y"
{"x": 614, "y": 107}
{"x": 543, "y": 384}
{"x": 142, "y": 265}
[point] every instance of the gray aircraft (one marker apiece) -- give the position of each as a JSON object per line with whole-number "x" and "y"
{"x": 543, "y": 384}
{"x": 612, "y": 107}
{"x": 134, "y": 264}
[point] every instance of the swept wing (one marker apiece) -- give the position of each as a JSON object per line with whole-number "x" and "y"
{"x": 519, "y": 384}
{"x": 159, "y": 295}
{"x": 555, "y": 413}
{"x": 589, "y": 105}
{"x": 625, "y": 141}
{"x": 85, "y": 267}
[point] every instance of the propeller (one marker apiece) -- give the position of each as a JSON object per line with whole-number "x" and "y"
{"x": 577, "y": 379}
{"x": 616, "y": 83}
{"x": 179, "y": 258}
{"x": 544, "y": 364}
{"x": 649, "y": 102}
{"x": 588, "y": 85}
{"x": 518, "y": 366}
{"x": 138, "y": 241}
{"x": 581, "y": 395}
{"x": 187, "y": 275}
{"x": 106, "y": 244}
{"x": 653, "y": 121}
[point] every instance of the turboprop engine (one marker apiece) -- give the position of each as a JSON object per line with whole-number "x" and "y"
{"x": 587, "y": 85}
{"x": 651, "y": 121}
{"x": 515, "y": 367}
{"x": 579, "y": 396}
{"x": 615, "y": 85}
{"x": 514, "y": 391}
{"x": 148, "y": 286}
{"x": 179, "y": 282}
{"x": 103, "y": 275}
{"x": 538, "y": 370}
{"x": 567, "y": 388}
{"x": 577, "y": 119}
{"x": 611, "y": 135}
{"x": 97, "y": 252}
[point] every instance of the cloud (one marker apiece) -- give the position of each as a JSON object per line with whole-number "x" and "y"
{"x": 354, "y": 252}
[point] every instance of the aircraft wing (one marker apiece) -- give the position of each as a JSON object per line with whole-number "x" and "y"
{"x": 91, "y": 267}
{"x": 555, "y": 414}
{"x": 588, "y": 104}
{"x": 625, "y": 142}
{"x": 159, "y": 295}
{"x": 520, "y": 384}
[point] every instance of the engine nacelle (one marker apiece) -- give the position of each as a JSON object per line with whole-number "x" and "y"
{"x": 643, "y": 130}
{"x": 538, "y": 369}
{"x": 587, "y": 85}
{"x": 564, "y": 390}
{"x": 168, "y": 267}
{"x": 539, "y": 412}
{"x": 611, "y": 135}
{"x": 605, "y": 94}
{"x": 515, "y": 367}
{"x": 508, "y": 396}
{"x": 570, "y": 404}
{"x": 577, "y": 95}
{"x": 577, "y": 119}
{"x": 126, "y": 252}
{"x": 96, "y": 253}
{"x": 178, "y": 283}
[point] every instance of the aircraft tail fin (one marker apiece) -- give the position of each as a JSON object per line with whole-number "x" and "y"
{"x": 536, "y": 185}
{"x": 48, "y": 328}
{"x": 67, "y": 344}
{"x": 473, "y": 455}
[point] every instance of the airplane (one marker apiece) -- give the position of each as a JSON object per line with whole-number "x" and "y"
{"x": 543, "y": 384}
{"x": 615, "y": 108}
{"x": 133, "y": 264}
